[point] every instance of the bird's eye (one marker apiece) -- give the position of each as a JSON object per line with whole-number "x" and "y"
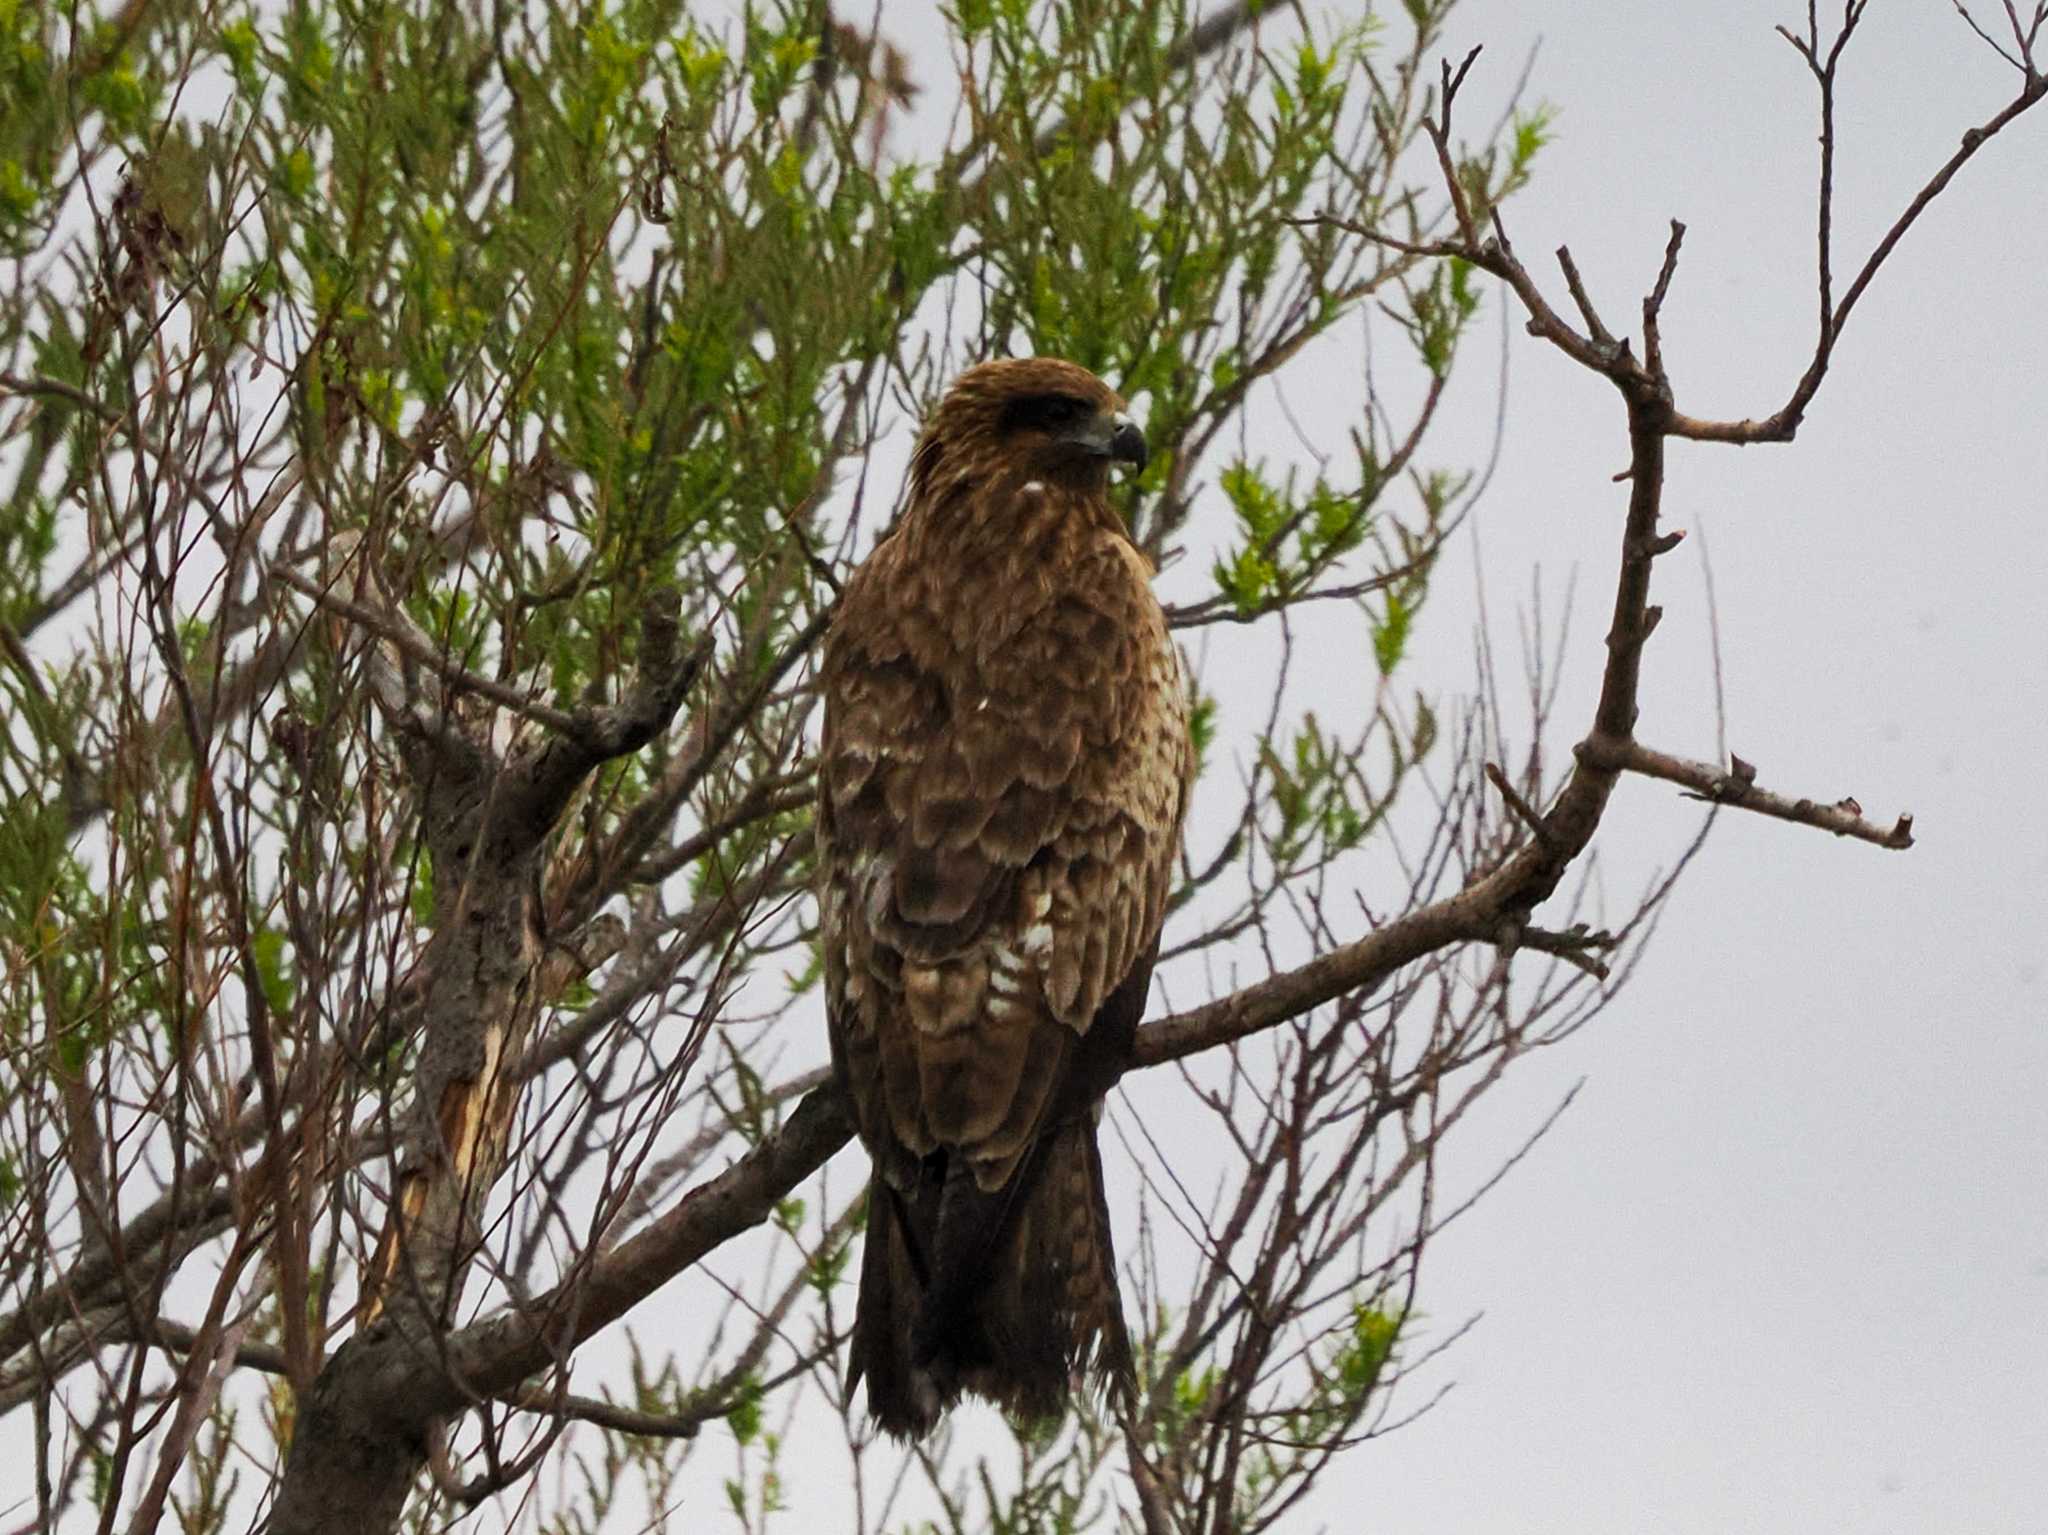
{"x": 1044, "y": 412}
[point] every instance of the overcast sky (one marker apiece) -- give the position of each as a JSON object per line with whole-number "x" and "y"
{"x": 1784, "y": 1266}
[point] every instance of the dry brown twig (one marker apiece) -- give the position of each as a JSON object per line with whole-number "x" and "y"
{"x": 1610, "y": 747}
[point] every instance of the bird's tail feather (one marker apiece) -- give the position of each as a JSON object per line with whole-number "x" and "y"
{"x": 1007, "y": 1294}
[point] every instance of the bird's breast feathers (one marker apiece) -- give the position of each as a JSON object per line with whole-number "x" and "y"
{"x": 1004, "y": 766}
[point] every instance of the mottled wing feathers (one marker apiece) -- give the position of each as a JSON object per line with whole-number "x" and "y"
{"x": 999, "y": 828}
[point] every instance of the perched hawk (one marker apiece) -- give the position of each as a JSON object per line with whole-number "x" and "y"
{"x": 1005, "y": 770}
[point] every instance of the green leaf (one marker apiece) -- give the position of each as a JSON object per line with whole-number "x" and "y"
{"x": 744, "y": 1416}
{"x": 1423, "y": 736}
{"x": 238, "y": 42}
{"x": 1371, "y": 1345}
{"x": 1202, "y": 726}
{"x": 268, "y": 949}
{"x": 1390, "y": 633}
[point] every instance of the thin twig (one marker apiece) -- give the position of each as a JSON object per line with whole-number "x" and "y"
{"x": 1734, "y": 787}
{"x": 417, "y": 647}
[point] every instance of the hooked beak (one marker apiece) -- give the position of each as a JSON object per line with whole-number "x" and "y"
{"x": 1112, "y": 436}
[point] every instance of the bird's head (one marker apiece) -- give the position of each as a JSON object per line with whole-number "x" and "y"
{"x": 1038, "y": 417}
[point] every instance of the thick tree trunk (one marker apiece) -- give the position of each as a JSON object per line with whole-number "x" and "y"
{"x": 361, "y": 1437}
{"x": 359, "y": 1442}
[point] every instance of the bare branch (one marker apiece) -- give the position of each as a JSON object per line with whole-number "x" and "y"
{"x": 496, "y": 1353}
{"x": 56, "y": 389}
{"x": 1577, "y": 287}
{"x": 1524, "y": 811}
{"x": 416, "y": 646}
{"x": 2017, "y": 61}
{"x": 1736, "y": 787}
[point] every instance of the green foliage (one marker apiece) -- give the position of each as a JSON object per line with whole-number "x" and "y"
{"x": 1122, "y": 245}
{"x": 1440, "y": 310}
{"x": 1318, "y": 796}
{"x": 744, "y": 1418}
{"x": 827, "y": 1268}
{"x": 1249, "y": 576}
{"x": 421, "y": 889}
{"x": 1529, "y": 134}
{"x": 1186, "y": 1396}
{"x": 213, "y": 1476}
{"x": 273, "y": 968}
{"x": 756, "y": 1494}
{"x": 1390, "y": 631}
{"x": 1371, "y": 1345}
{"x": 1288, "y": 538}
{"x": 1357, "y": 1359}
{"x": 490, "y": 331}
{"x": 1202, "y": 725}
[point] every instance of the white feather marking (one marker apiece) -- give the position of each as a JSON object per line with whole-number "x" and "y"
{"x": 1034, "y": 487}
{"x": 877, "y": 873}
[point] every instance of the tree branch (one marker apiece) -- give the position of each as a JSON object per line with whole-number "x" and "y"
{"x": 495, "y": 1354}
{"x": 1737, "y": 787}
{"x": 418, "y": 647}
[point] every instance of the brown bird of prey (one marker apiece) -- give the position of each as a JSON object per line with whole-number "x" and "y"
{"x": 1004, "y": 774}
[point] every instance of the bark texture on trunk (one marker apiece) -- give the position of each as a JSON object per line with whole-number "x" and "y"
{"x": 486, "y": 811}
{"x": 358, "y": 1444}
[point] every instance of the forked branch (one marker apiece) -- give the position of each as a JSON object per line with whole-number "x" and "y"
{"x": 1610, "y": 748}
